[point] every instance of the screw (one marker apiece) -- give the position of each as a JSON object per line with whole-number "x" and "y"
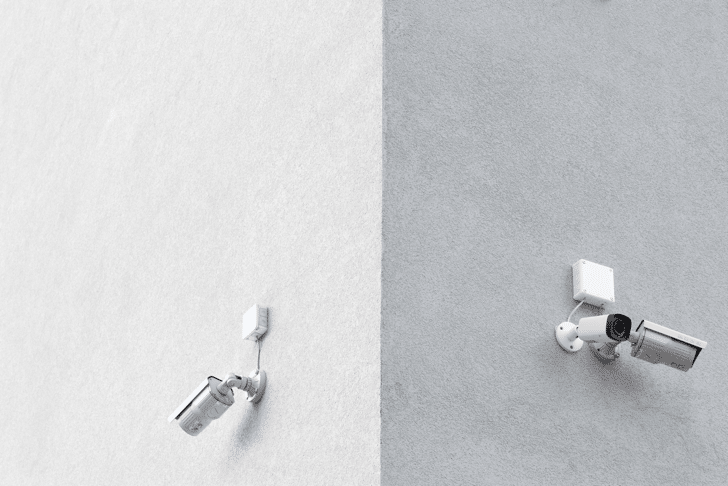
{"x": 561, "y": 327}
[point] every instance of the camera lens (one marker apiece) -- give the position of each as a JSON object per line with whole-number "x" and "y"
{"x": 618, "y": 327}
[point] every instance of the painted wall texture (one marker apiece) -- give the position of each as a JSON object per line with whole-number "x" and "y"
{"x": 164, "y": 166}
{"x": 520, "y": 137}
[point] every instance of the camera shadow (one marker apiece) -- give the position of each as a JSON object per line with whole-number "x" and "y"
{"x": 247, "y": 431}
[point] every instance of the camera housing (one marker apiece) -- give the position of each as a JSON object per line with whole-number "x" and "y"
{"x": 204, "y": 405}
{"x": 213, "y": 397}
{"x": 610, "y": 328}
{"x": 660, "y": 345}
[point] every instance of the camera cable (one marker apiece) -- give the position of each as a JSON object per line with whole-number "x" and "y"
{"x": 572, "y": 312}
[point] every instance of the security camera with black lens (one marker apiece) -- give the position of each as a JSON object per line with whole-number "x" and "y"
{"x": 604, "y": 329}
{"x": 603, "y": 333}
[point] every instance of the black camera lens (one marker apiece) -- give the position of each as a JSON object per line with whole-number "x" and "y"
{"x": 618, "y": 327}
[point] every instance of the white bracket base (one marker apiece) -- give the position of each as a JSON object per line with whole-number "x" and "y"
{"x": 564, "y": 333}
{"x": 258, "y": 378}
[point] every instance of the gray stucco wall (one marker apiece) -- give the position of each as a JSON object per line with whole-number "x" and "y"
{"x": 519, "y": 137}
{"x": 162, "y": 168}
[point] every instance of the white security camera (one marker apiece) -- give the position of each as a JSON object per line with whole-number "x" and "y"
{"x": 609, "y": 328}
{"x": 213, "y": 397}
{"x": 659, "y": 344}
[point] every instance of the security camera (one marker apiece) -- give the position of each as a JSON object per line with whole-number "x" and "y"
{"x": 604, "y": 333}
{"x": 213, "y": 397}
{"x": 658, "y": 344}
{"x": 609, "y": 328}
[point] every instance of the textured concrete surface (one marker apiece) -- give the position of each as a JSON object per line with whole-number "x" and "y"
{"x": 521, "y": 136}
{"x": 163, "y": 167}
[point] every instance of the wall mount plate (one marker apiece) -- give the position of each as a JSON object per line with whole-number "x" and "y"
{"x": 564, "y": 333}
{"x": 259, "y": 381}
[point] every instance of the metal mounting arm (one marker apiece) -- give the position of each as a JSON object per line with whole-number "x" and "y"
{"x": 253, "y": 385}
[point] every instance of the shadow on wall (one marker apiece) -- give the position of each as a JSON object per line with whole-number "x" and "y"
{"x": 246, "y": 433}
{"x": 606, "y": 377}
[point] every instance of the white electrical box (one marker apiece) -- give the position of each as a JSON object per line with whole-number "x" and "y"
{"x": 593, "y": 283}
{"x": 255, "y": 322}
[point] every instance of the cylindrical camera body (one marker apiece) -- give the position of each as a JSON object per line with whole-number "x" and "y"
{"x": 659, "y": 348}
{"x": 208, "y": 406}
{"x": 610, "y": 328}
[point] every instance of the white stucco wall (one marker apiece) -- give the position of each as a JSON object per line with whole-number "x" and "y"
{"x": 164, "y": 166}
{"x": 520, "y": 137}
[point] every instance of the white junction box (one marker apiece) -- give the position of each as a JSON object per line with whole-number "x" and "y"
{"x": 593, "y": 283}
{"x": 255, "y": 322}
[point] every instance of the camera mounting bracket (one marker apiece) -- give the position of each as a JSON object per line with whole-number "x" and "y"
{"x": 605, "y": 352}
{"x": 258, "y": 384}
{"x": 567, "y": 338}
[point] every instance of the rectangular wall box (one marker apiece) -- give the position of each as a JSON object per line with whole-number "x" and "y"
{"x": 593, "y": 283}
{"x": 255, "y": 322}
